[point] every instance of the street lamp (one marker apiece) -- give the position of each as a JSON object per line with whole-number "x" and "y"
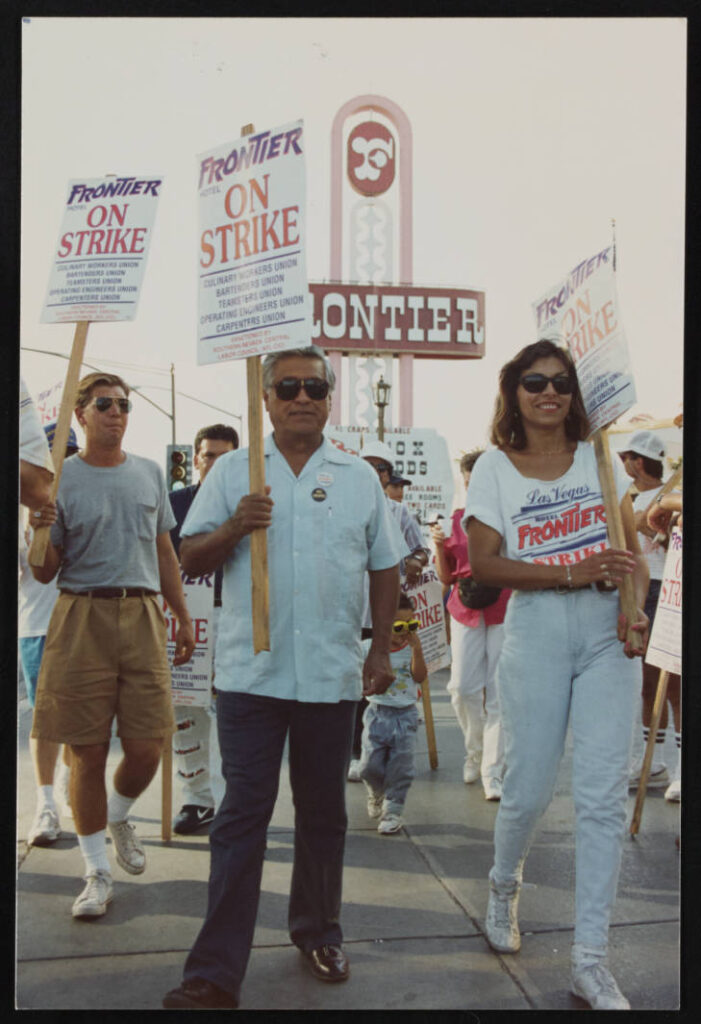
{"x": 382, "y": 390}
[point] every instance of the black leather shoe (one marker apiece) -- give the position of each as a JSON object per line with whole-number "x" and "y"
{"x": 199, "y": 994}
{"x": 328, "y": 963}
{"x": 192, "y": 818}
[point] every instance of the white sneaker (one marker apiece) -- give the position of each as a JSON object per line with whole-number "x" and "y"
{"x": 471, "y": 770}
{"x": 389, "y": 824}
{"x": 593, "y": 982}
{"x": 657, "y": 778}
{"x": 127, "y": 848}
{"x": 492, "y": 788}
{"x": 673, "y": 792}
{"x": 45, "y": 828}
{"x": 375, "y": 802}
{"x": 501, "y": 922}
{"x": 354, "y": 772}
{"x": 96, "y": 895}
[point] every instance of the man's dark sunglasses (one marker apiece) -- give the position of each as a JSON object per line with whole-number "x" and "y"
{"x": 382, "y": 467}
{"x": 104, "y": 402}
{"x": 537, "y": 382}
{"x": 289, "y": 387}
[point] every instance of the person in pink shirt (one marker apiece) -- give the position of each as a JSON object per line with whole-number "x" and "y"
{"x": 476, "y": 639}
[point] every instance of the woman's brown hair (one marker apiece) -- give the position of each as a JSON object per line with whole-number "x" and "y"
{"x": 507, "y": 428}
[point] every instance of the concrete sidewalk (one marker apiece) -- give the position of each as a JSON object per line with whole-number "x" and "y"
{"x": 413, "y": 908}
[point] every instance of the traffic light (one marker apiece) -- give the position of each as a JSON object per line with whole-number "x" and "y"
{"x": 178, "y": 466}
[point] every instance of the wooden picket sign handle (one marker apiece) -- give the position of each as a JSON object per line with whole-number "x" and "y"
{"x": 167, "y": 789}
{"x": 40, "y": 540}
{"x": 616, "y": 536}
{"x": 660, "y": 697}
{"x": 259, "y": 541}
{"x": 260, "y": 611}
{"x": 428, "y": 718}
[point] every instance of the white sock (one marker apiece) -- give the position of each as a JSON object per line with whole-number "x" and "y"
{"x": 118, "y": 806}
{"x": 94, "y": 850}
{"x": 45, "y": 797}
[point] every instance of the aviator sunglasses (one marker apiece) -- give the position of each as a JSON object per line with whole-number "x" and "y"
{"x": 534, "y": 383}
{"x": 289, "y": 387}
{"x": 402, "y": 626}
{"x": 104, "y": 402}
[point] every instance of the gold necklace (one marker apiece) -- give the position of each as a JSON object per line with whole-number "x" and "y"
{"x": 560, "y": 451}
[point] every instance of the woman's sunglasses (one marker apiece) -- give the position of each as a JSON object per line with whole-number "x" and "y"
{"x": 537, "y": 382}
{"x": 289, "y": 387}
{"x": 402, "y": 626}
{"x": 104, "y": 402}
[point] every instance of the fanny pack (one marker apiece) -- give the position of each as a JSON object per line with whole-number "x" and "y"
{"x": 476, "y": 595}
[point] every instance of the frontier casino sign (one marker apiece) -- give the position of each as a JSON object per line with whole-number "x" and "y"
{"x": 423, "y": 321}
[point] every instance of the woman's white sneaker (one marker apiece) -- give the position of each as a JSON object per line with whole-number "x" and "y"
{"x": 593, "y": 982}
{"x": 501, "y": 922}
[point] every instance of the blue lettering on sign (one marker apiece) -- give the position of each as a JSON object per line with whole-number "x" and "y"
{"x": 257, "y": 149}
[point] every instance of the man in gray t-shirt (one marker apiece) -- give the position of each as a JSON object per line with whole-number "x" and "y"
{"x": 105, "y": 653}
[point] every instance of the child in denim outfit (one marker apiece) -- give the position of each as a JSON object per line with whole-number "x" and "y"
{"x": 389, "y": 725}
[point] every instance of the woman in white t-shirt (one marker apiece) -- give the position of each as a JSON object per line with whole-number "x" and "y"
{"x": 535, "y": 521}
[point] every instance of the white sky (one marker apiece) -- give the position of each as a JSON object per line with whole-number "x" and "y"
{"x": 530, "y": 135}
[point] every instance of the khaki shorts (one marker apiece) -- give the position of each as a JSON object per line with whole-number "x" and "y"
{"x": 104, "y": 658}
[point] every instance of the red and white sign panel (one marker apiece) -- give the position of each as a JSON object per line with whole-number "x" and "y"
{"x": 583, "y": 311}
{"x": 371, "y": 158}
{"x": 427, "y": 599}
{"x": 192, "y": 682}
{"x": 664, "y": 649}
{"x": 431, "y": 322}
{"x": 253, "y": 291}
{"x": 101, "y": 254}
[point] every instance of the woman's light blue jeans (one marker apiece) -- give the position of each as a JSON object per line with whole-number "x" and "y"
{"x": 562, "y": 663}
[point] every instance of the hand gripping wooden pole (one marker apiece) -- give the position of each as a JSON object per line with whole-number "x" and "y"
{"x": 259, "y": 540}
{"x": 614, "y": 525}
{"x": 660, "y": 698}
{"x": 428, "y": 718}
{"x": 40, "y": 540}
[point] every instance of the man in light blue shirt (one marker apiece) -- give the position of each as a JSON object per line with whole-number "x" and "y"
{"x": 327, "y": 524}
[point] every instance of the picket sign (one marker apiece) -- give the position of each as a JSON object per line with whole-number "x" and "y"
{"x": 614, "y": 525}
{"x": 664, "y": 649}
{"x": 40, "y": 540}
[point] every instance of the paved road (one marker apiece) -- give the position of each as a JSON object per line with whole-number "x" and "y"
{"x": 413, "y": 913}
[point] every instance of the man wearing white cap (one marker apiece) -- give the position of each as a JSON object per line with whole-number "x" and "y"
{"x": 643, "y": 461}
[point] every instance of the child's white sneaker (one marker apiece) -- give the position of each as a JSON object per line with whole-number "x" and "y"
{"x": 389, "y": 824}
